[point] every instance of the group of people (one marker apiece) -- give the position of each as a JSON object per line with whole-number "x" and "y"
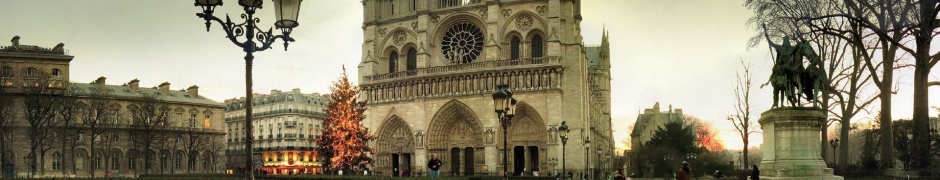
{"x": 685, "y": 173}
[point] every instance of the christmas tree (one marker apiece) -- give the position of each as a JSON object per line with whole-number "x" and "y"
{"x": 343, "y": 140}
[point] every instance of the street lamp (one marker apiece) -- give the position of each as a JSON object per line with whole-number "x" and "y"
{"x": 834, "y": 143}
{"x": 563, "y": 134}
{"x": 504, "y": 105}
{"x": 286, "y": 12}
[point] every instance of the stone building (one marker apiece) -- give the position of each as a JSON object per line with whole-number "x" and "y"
{"x": 647, "y": 123}
{"x": 286, "y": 126}
{"x": 185, "y": 130}
{"x": 429, "y": 68}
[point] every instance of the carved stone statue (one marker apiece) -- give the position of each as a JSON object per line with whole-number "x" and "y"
{"x": 789, "y": 78}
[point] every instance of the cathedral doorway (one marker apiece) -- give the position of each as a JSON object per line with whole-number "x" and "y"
{"x": 456, "y": 134}
{"x": 528, "y": 141}
{"x": 395, "y": 148}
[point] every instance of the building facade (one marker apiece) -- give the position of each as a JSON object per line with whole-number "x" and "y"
{"x": 286, "y": 125}
{"x": 429, "y": 68}
{"x": 650, "y": 120}
{"x": 99, "y": 129}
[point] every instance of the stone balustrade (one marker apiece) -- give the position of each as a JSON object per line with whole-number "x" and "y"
{"x": 464, "y": 79}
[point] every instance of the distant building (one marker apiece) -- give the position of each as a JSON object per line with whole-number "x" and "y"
{"x": 647, "y": 123}
{"x": 286, "y": 126}
{"x": 187, "y": 127}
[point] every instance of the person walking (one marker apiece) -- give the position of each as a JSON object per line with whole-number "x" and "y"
{"x": 685, "y": 173}
{"x": 435, "y": 165}
{"x": 755, "y": 173}
{"x": 618, "y": 175}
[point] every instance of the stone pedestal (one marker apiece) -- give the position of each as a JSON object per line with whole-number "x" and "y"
{"x": 791, "y": 144}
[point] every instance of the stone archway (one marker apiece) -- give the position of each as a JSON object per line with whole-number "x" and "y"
{"x": 456, "y": 136}
{"x": 527, "y": 143}
{"x": 395, "y": 147}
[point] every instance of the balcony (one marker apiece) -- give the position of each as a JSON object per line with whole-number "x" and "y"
{"x": 459, "y": 68}
{"x": 533, "y": 74}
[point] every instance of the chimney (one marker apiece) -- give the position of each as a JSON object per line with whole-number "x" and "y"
{"x": 134, "y": 84}
{"x": 275, "y": 91}
{"x": 99, "y": 81}
{"x": 296, "y": 90}
{"x": 165, "y": 87}
{"x": 16, "y": 40}
{"x": 193, "y": 90}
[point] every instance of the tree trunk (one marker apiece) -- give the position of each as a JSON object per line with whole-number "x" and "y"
{"x": 921, "y": 142}
{"x": 887, "y": 133}
{"x": 844, "y": 141}
{"x": 745, "y": 154}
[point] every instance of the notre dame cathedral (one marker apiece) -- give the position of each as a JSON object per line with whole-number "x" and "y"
{"x": 429, "y": 68}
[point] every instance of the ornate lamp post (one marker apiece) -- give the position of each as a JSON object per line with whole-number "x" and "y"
{"x": 505, "y": 106}
{"x": 834, "y": 143}
{"x": 563, "y": 134}
{"x": 286, "y": 12}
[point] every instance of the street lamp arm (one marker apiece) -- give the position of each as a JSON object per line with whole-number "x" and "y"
{"x": 233, "y": 31}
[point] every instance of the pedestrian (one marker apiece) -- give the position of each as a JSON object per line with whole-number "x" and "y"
{"x": 570, "y": 175}
{"x": 685, "y": 173}
{"x": 719, "y": 175}
{"x": 619, "y": 175}
{"x": 435, "y": 165}
{"x": 755, "y": 173}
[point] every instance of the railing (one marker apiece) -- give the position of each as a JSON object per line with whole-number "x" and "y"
{"x": 455, "y": 3}
{"x": 33, "y": 49}
{"x": 534, "y": 78}
{"x": 464, "y": 67}
{"x": 277, "y": 112}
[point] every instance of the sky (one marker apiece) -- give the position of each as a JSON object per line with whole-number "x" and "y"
{"x": 676, "y": 52}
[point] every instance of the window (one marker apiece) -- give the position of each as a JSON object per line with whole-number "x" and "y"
{"x": 80, "y": 162}
{"x": 462, "y": 43}
{"x": 97, "y": 162}
{"x": 131, "y": 161}
{"x": 163, "y": 160}
{"x": 393, "y": 62}
{"x": 56, "y": 72}
{"x": 206, "y": 123}
{"x": 536, "y": 46}
{"x": 179, "y": 161}
{"x": 514, "y": 48}
{"x": 412, "y": 59}
{"x": 6, "y": 71}
{"x": 56, "y": 161}
{"x": 32, "y": 72}
{"x": 192, "y": 120}
{"x": 115, "y": 162}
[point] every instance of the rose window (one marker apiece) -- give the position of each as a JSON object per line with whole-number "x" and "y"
{"x": 462, "y": 43}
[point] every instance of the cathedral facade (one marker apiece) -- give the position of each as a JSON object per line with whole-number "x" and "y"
{"x": 429, "y": 68}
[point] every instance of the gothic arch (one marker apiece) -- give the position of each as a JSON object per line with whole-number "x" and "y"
{"x": 527, "y": 128}
{"x": 390, "y": 40}
{"x": 537, "y": 23}
{"x": 454, "y": 124}
{"x": 394, "y": 139}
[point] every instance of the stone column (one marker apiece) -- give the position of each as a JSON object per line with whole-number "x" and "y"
{"x": 791, "y": 149}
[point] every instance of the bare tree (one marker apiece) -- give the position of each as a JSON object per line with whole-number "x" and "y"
{"x": 69, "y": 128}
{"x": 42, "y": 97}
{"x": 742, "y": 121}
{"x": 196, "y": 140}
{"x": 7, "y": 112}
{"x": 148, "y": 121}
{"x": 97, "y": 117}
